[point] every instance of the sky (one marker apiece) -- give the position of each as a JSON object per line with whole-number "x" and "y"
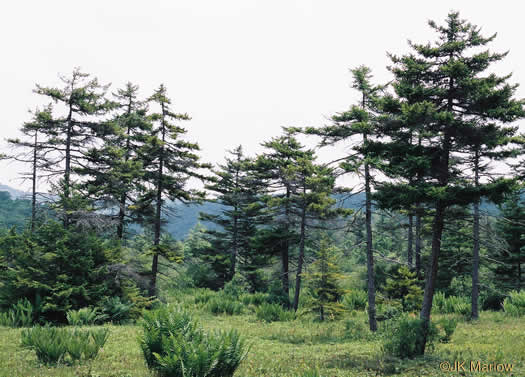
{"x": 242, "y": 69}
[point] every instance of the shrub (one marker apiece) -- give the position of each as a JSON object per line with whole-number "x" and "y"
{"x": 404, "y": 337}
{"x": 84, "y": 316}
{"x": 449, "y": 326}
{"x": 236, "y": 287}
{"x": 174, "y": 346}
{"x": 404, "y": 285}
{"x": 19, "y": 315}
{"x": 273, "y": 313}
{"x": 355, "y": 300}
{"x": 66, "y": 267}
{"x": 223, "y": 305}
{"x": 116, "y": 311}
{"x": 388, "y": 311}
{"x": 514, "y": 304}
{"x": 53, "y": 345}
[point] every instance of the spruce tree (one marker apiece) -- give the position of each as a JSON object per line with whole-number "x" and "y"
{"x": 237, "y": 189}
{"x": 169, "y": 162}
{"x": 71, "y": 134}
{"x": 359, "y": 121}
{"x": 509, "y": 258}
{"x": 443, "y": 90}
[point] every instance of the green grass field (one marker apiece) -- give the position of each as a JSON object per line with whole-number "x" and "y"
{"x": 298, "y": 348}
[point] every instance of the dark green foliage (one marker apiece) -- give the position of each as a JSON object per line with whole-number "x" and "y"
{"x": 404, "y": 286}
{"x": 174, "y": 346}
{"x": 273, "y": 313}
{"x": 238, "y": 190}
{"x": 53, "y": 345}
{"x": 404, "y": 337}
{"x": 57, "y": 269}
{"x": 510, "y": 254}
{"x": 323, "y": 281}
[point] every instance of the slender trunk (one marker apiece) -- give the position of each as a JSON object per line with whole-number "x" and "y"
{"x": 33, "y": 178}
{"x": 418, "y": 243}
{"x": 301, "y": 252}
{"x": 437, "y": 229}
{"x": 67, "y": 170}
{"x": 235, "y": 226}
{"x": 475, "y": 251}
{"x": 369, "y": 248}
{"x": 285, "y": 250}
{"x": 410, "y": 239}
{"x": 431, "y": 272}
{"x": 122, "y": 201}
{"x": 158, "y": 214}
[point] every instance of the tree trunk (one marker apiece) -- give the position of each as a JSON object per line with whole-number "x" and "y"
{"x": 369, "y": 250}
{"x": 410, "y": 239}
{"x": 122, "y": 202}
{"x": 67, "y": 170}
{"x": 418, "y": 243}
{"x": 158, "y": 215}
{"x": 285, "y": 250}
{"x": 431, "y": 272}
{"x": 301, "y": 253}
{"x": 33, "y": 178}
{"x": 475, "y": 252}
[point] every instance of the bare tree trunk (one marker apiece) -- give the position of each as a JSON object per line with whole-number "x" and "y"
{"x": 33, "y": 178}
{"x": 285, "y": 250}
{"x": 67, "y": 170}
{"x": 301, "y": 253}
{"x": 431, "y": 272}
{"x": 158, "y": 214}
{"x": 369, "y": 251}
{"x": 475, "y": 251}
{"x": 410, "y": 239}
{"x": 418, "y": 243}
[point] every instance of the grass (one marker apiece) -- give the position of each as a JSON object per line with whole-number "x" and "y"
{"x": 289, "y": 349}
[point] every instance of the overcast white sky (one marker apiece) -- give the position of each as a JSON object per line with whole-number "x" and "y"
{"x": 241, "y": 69}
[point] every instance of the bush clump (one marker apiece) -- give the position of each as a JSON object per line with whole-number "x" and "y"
{"x": 54, "y": 345}
{"x": 84, "y": 317}
{"x": 273, "y": 313}
{"x": 404, "y": 337}
{"x": 514, "y": 304}
{"x": 174, "y": 346}
{"x": 20, "y": 314}
{"x": 223, "y": 305}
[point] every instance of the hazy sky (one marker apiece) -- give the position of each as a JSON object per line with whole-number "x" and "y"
{"x": 241, "y": 69}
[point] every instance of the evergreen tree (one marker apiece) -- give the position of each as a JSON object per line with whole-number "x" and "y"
{"x": 169, "y": 162}
{"x": 35, "y": 153}
{"x": 238, "y": 190}
{"x": 323, "y": 281}
{"x": 70, "y": 136}
{"x": 359, "y": 121}
{"x": 114, "y": 168}
{"x": 441, "y": 89}
{"x": 509, "y": 259}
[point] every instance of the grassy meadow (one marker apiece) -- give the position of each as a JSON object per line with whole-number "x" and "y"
{"x": 301, "y": 347}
